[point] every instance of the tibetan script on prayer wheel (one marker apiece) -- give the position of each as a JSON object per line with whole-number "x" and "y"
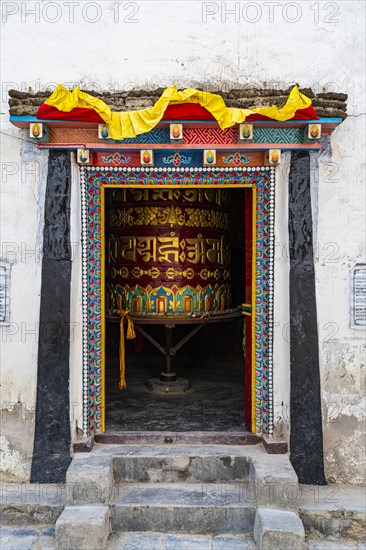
{"x": 167, "y": 250}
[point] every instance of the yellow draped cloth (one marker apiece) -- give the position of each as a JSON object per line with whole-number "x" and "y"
{"x": 129, "y": 124}
{"x": 122, "y": 352}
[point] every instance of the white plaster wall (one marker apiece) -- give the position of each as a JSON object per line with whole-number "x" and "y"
{"x": 281, "y": 328}
{"x": 24, "y": 173}
{"x": 341, "y": 244}
{"x": 272, "y": 44}
{"x": 175, "y": 42}
{"x": 76, "y": 329}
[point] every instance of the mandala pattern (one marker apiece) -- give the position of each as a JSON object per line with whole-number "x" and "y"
{"x": 92, "y": 180}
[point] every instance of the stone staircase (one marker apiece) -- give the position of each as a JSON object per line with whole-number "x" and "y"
{"x": 181, "y": 497}
{"x": 225, "y": 494}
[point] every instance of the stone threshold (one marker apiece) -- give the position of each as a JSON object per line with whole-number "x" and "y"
{"x": 272, "y": 445}
{"x": 168, "y": 438}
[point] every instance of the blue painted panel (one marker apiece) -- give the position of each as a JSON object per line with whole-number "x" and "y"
{"x": 278, "y": 135}
{"x": 183, "y": 159}
{"x": 274, "y": 122}
{"x": 156, "y": 135}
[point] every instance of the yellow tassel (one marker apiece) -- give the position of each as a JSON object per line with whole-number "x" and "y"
{"x": 122, "y": 351}
{"x": 130, "y": 329}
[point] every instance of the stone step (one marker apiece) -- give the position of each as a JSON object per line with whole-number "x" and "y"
{"x": 333, "y": 543}
{"x": 184, "y": 508}
{"x": 83, "y": 528}
{"x": 187, "y": 465}
{"x": 42, "y": 537}
{"x": 31, "y": 503}
{"x": 27, "y": 537}
{"x": 175, "y": 450}
{"x": 278, "y": 529}
{"x": 334, "y": 511}
{"x": 94, "y": 477}
{"x": 171, "y": 541}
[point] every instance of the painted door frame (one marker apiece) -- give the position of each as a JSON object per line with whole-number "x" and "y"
{"x": 94, "y": 180}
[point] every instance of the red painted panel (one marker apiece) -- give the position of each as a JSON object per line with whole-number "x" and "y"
{"x": 117, "y": 158}
{"x": 209, "y": 136}
{"x": 239, "y": 158}
{"x": 248, "y": 300}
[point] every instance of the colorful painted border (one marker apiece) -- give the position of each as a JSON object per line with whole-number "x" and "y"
{"x": 191, "y": 136}
{"x": 172, "y": 158}
{"x": 92, "y": 181}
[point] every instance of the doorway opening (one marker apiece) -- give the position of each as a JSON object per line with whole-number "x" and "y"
{"x": 216, "y": 360}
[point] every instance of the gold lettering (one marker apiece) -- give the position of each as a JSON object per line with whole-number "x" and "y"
{"x": 191, "y": 195}
{"x": 128, "y": 248}
{"x": 210, "y": 195}
{"x": 112, "y": 249}
{"x": 166, "y": 194}
{"x": 118, "y": 195}
{"x": 218, "y": 197}
{"x": 162, "y": 194}
{"x": 140, "y": 195}
{"x": 169, "y": 249}
{"x": 146, "y": 248}
{"x": 225, "y": 197}
{"x": 225, "y": 252}
{"x": 214, "y": 253}
{"x": 196, "y": 250}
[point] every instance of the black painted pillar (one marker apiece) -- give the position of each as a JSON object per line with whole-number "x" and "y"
{"x": 51, "y": 455}
{"x": 306, "y": 440}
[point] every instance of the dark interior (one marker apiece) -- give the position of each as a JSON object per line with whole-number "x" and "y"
{"x": 213, "y": 362}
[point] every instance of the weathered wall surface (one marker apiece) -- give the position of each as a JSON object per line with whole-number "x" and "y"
{"x": 24, "y": 173}
{"x": 124, "y": 45}
{"x": 281, "y": 328}
{"x": 76, "y": 330}
{"x": 340, "y": 226}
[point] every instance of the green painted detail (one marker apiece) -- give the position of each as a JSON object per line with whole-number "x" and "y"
{"x": 278, "y": 135}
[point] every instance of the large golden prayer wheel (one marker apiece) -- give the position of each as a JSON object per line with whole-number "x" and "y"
{"x": 167, "y": 250}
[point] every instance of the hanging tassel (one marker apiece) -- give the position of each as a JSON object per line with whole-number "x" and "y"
{"x": 122, "y": 351}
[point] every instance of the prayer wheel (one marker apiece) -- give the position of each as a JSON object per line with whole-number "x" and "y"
{"x": 167, "y": 250}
